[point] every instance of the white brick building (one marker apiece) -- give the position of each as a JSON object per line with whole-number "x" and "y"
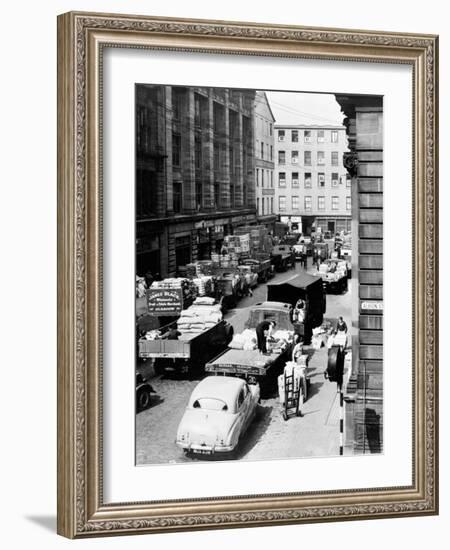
{"x": 311, "y": 182}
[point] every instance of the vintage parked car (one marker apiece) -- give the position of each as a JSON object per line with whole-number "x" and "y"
{"x": 219, "y": 411}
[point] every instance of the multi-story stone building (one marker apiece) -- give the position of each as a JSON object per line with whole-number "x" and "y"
{"x": 195, "y": 172}
{"x": 264, "y": 161}
{"x": 312, "y": 188}
{"x": 364, "y": 393}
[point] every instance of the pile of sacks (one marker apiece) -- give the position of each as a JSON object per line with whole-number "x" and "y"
{"x": 199, "y": 318}
{"x": 204, "y": 301}
{"x": 245, "y": 340}
{"x": 280, "y": 340}
{"x": 204, "y": 285}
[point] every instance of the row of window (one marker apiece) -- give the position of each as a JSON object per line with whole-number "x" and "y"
{"x": 307, "y": 157}
{"x": 308, "y": 135}
{"x": 308, "y": 203}
{"x": 307, "y": 179}
{"x": 266, "y": 205}
{"x": 265, "y": 150}
{"x": 263, "y": 126}
{"x": 264, "y": 177}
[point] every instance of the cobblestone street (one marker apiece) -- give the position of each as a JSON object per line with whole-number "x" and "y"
{"x": 316, "y": 433}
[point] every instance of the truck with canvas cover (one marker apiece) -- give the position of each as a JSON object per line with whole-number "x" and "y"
{"x": 243, "y": 359}
{"x": 309, "y": 290}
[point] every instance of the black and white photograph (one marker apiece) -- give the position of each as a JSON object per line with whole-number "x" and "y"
{"x": 259, "y": 274}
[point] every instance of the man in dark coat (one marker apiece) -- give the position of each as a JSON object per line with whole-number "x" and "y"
{"x": 263, "y": 332}
{"x": 341, "y": 325}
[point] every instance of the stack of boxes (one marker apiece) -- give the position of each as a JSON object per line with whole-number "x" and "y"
{"x": 257, "y": 237}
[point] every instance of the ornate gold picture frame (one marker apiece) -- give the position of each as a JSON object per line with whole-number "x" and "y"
{"x": 82, "y": 39}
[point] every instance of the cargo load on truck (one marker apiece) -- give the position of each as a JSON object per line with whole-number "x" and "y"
{"x": 283, "y": 257}
{"x": 243, "y": 359}
{"x": 334, "y": 276}
{"x": 187, "y": 344}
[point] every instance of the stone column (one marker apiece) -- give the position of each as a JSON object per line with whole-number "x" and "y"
{"x": 187, "y": 152}
{"x": 239, "y": 151}
{"x": 164, "y": 107}
{"x": 208, "y": 154}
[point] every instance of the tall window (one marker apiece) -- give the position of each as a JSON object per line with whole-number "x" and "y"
{"x": 176, "y": 149}
{"x": 321, "y": 203}
{"x": 216, "y": 157}
{"x": 321, "y": 179}
{"x": 308, "y": 136}
{"x": 270, "y": 129}
{"x": 262, "y": 149}
{"x": 281, "y": 135}
{"x": 307, "y": 180}
{"x": 177, "y": 196}
{"x": 294, "y": 136}
{"x": 294, "y": 157}
{"x": 334, "y": 136}
{"x": 199, "y": 194}
{"x": 308, "y": 203}
{"x": 271, "y": 205}
{"x": 271, "y": 178}
{"x": 348, "y": 203}
{"x": 198, "y": 154}
{"x": 334, "y": 203}
{"x": 282, "y": 179}
{"x": 262, "y": 178}
{"x": 197, "y": 113}
{"x": 257, "y": 205}
{"x": 271, "y": 152}
{"x": 176, "y": 103}
{"x": 295, "y": 203}
{"x": 282, "y": 203}
{"x": 320, "y": 157}
{"x": 320, "y": 136}
{"x": 281, "y": 157}
{"x": 348, "y": 180}
{"x": 294, "y": 179}
{"x": 307, "y": 158}
{"x": 257, "y": 177}
{"x": 334, "y": 179}
{"x": 334, "y": 158}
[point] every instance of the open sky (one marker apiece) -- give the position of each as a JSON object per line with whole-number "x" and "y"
{"x": 304, "y": 108}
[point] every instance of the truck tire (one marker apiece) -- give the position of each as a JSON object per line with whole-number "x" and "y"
{"x": 143, "y": 399}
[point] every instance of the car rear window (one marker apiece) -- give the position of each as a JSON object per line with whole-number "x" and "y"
{"x": 210, "y": 404}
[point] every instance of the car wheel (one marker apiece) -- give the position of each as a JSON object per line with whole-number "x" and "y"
{"x": 143, "y": 399}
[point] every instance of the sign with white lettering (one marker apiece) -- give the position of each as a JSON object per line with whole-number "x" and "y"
{"x": 163, "y": 302}
{"x": 372, "y": 305}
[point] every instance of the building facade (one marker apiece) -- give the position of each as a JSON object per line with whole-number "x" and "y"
{"x": 312, "y": 188}
{"x": 364, "y": 161}
{"x": 195, "y": 172}
{"x": 264, "y": 161}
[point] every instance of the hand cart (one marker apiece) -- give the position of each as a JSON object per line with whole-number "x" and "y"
{"x": 293, "y": 395}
